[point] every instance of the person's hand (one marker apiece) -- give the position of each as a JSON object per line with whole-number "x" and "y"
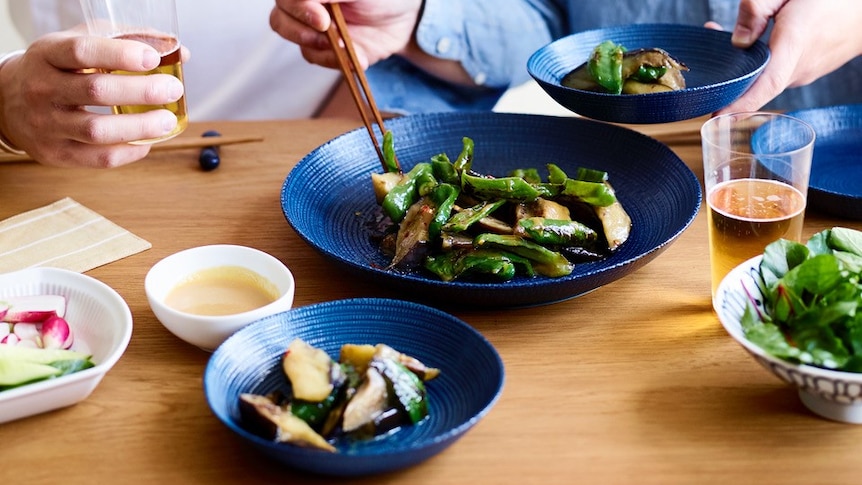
{"x": 809, "y": 39}
{"x": 379, "y": 29}
{"x": 44, "y": 92}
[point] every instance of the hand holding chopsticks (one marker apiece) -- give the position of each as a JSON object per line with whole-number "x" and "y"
{"x": 342, "y": 45}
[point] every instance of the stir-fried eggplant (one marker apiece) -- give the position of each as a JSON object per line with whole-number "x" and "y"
{"x": 614, "y": 69}
{"x": 372, "y": 390}
{"x": 466, "y": 223}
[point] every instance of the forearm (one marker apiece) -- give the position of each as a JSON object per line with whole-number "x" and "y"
{"x": 6, "y": 145}
{"x": 485, "y": 42}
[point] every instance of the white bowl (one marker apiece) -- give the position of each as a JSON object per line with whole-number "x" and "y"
{"x": 208, "y": 332}
{"x": 831, "y": 394}
{"x": 102, "y": 325}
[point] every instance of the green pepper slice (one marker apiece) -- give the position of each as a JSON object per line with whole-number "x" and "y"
{"x": 547, "y": 262}
{"x": 606, "y": 66}
{"x": 648, "y": 74}
{"x": 403, "y": 195}
{"x": 465, "y": 158}
{"x": 500, "y": 264}
{"x": 444, "y": 197}
{"x": 592, "y": 193}
{"x": 462, "y": 221}
{"x": 509, "y": 188}
{"x": 389, "y": 161}
{"x": 531, "y": 175}
{"x": 558, "y": 232}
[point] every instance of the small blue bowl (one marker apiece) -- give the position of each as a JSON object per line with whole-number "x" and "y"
{"x": 470, "y": 381}
{"x": 327, "y": 198}
{"x": 835, "y": 185}
{"x": 718, "y": 72}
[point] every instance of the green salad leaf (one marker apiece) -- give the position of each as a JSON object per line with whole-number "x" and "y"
{"x": 812, "y": 301}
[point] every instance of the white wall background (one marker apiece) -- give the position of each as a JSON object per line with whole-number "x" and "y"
{"x": 9, "y": 38}
{"x": 528, "y": 98}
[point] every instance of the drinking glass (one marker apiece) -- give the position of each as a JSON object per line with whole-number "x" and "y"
{"x": 756, "y": 170}
{"x": 150, "y": 21}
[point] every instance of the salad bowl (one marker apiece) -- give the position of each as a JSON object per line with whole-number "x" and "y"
{"x": 100, "y": 321}
{"x": 832, "y": 394}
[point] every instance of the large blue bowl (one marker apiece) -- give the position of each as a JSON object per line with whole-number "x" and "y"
{"x": 835, "y": 185}
{"x": 328, "y": 199}
{"x": 718, "y": 72}
{"x": 470, "y": 381}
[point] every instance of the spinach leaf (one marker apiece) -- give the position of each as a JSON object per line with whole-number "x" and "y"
{"x": 812, "y": 301}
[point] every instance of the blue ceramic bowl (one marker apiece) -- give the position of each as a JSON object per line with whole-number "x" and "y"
{"x": 470, "y": 381}
{"x": 328, "y": 199}
{"x": 835, "y": 185}
{"x": 718, "y": 72}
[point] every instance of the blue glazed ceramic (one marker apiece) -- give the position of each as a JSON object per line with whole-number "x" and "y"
{"x": 835, "y": 185}
{"x": 470, "y": 381}
{"x": 328, "y": 198}
{"x": 718, "y": 72}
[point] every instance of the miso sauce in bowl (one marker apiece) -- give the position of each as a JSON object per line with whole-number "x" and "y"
{"x": 206, "y": 293}
{"x": 222, "y": 290}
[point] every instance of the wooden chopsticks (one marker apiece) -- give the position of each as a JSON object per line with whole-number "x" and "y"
{"x": 343, "y": 47}
{"x": 177, "y": 143}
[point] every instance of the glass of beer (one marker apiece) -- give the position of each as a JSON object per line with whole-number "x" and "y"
{"x": 756, "y": 168}
{"x": 153, "y": 22}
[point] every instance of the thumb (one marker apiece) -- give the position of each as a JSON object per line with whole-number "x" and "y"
{"x": 771, "y": 82}
{"x": 752, "y": 20}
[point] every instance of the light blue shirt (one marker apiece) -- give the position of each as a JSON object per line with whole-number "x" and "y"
{"x": 494, "y": 38}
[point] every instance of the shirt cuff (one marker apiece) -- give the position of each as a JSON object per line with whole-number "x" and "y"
{"x": 6, "y": 145}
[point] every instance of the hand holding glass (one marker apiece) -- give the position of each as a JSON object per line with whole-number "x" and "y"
{"x": 756, "y": 169}
{"x": 153, "y": 22}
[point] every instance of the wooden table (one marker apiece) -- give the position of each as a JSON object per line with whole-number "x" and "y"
{"x": 634, "y": 383}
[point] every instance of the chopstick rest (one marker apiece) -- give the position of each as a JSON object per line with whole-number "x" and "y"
{"x": 64, "y": 234}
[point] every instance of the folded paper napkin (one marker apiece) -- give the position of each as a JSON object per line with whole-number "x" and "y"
{"x": 64, "y": 234}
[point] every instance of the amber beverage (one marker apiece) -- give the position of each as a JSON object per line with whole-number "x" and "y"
{"x": 153, "y": 22}
{"x": 756, "y": 169}
{"x": 169, "y": 49}
{"x": 746, "y": 215}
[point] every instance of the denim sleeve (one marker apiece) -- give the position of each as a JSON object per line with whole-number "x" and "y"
{"x": 492, "y": 39}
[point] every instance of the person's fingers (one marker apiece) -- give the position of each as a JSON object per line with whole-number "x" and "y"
{"x": 88, "y": 52}
{"x": 98, "y": 89}
{"x": 76, "y": 154}
{"x": 753, "y": 19}
{"x": 311, "y": 14}
{"x": 776, "y": 76}
{"x": 103, "y": 129}
{"x": 713, "y": 25}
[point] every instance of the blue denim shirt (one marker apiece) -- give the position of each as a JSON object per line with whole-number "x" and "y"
{"x": 494, "y": 38}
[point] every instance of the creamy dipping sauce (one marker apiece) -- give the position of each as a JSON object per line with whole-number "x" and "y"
{"x": 222, "y": 290}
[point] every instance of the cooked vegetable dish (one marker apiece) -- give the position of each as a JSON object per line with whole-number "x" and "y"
{"x": 371, "y": 390}
{"x": 447, "y": 219}
{"x": 613, "y": 69}
{"x": 812, "y": 301}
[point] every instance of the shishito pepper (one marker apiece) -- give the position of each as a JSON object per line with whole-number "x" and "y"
{"x": 465, "y": 158}
{"x": 444, "y": 170}
{"x": 501, "y": 265}
{"x": 389, "y": 160}
{"x": 546, "y": 262}
{"x": 606, "y": 66}
{"x": 444, "y": 197}
{"x": 558, "y": 232}
{"x": 462, "y": 221}
{"x": 593, "y": 193}
{"x": 509, "y": 188}
{"x": 405, "y": 194}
